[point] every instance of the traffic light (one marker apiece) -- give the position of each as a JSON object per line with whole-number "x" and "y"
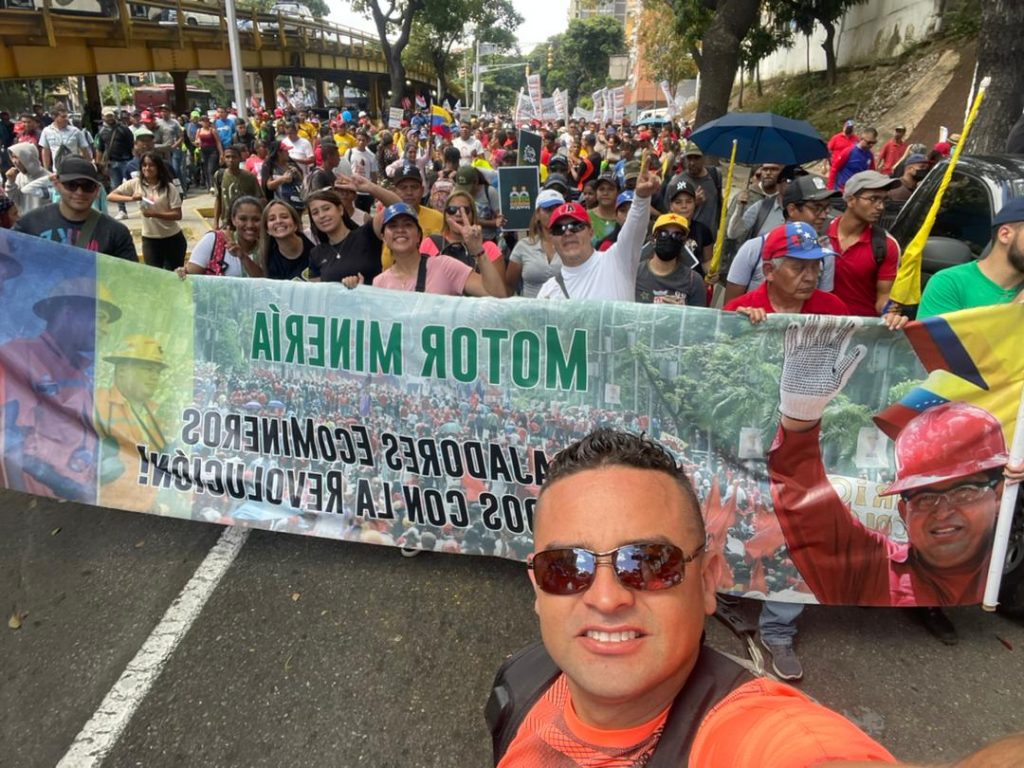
{"x": 551, "y": 57}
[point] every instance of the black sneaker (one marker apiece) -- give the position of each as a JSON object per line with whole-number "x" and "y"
{"x": 785, "y": 663}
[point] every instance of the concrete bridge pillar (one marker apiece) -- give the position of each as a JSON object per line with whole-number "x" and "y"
{"x": 319, "y": 92}
{"x": 180, "y": 105}
{"x": 268, "y": 81}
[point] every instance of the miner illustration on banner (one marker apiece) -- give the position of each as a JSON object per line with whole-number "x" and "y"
{"x": 950, "y": 471}
{"x": 126, "y": 418}
{"x": 49, "y": 440}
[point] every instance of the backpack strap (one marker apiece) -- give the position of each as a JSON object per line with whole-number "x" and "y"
{"x": 518, "y": 685}
{"x": 713, "y": 678}
{"x": 561, "y": 284}
{"x": 527, "y": 674}
{"x": 879, "y": 246}
{"x": 421, "y": 275}
{"x": 764, "y": 209}
{"x": 88, "y": 228}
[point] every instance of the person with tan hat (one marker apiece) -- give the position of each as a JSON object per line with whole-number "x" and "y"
{"x": 126, "y": 417}
{"x": 49, "y": 441}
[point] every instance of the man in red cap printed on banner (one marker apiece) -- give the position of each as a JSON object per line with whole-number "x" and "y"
{"x": 950, "y": 472}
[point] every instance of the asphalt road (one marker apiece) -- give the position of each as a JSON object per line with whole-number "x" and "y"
{"x": 314, "y": 653}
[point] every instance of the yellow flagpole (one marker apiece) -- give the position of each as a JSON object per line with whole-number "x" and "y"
{"x": 716, "y": 259}
{"x": 906, "y": 291}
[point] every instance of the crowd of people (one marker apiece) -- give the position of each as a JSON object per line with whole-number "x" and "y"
{"x": 624, "y": 213}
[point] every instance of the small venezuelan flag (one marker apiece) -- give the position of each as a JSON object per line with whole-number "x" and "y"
{"x": 440, "y": 120}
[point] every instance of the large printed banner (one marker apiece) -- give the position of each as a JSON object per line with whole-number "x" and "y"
{"x": 424, "y": 421}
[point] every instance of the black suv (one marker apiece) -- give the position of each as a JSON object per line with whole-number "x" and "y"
{"x": 980, "y": 186}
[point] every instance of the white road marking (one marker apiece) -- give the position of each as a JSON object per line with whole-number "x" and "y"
{"x": 98, "y": 737}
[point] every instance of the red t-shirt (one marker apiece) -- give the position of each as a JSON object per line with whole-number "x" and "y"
{"x": 857, "y": 273}
{"x": 820, "y": 303}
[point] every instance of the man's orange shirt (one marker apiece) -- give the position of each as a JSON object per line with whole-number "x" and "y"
{"x": 762, "y": 724}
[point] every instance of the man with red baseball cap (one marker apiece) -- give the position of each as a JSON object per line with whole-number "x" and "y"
{"x": 793, "y": 261}
{"x": 590, "y": 274}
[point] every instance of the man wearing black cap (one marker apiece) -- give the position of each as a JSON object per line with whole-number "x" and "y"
{"x": 73, "y": 221}
{"x": 408, "y": 183}
{"x": 806, "y": 200}
{"x": 996, "y": 279}
{"x": 915, "y": 168}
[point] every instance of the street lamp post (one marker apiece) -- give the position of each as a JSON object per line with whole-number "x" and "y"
{"x": 236, "y": 60}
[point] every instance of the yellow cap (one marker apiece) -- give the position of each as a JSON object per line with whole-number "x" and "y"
{"x": 671, "y": 218}
{"x": 138, "y": 348}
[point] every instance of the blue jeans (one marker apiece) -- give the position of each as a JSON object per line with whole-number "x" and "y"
{"x": 116, "y": 168}
{"x": 778, "y": 622}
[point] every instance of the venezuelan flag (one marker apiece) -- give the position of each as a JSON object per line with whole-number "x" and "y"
{"x": 440, "y": 120}
{"x": 971, "y": 356}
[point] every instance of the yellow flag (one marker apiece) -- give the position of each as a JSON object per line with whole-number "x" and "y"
{"x": 906, "y": 291}
{"x": 716, "y": 259}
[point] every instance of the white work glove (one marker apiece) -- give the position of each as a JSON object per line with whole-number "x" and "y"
{"x": 816, "y": 367}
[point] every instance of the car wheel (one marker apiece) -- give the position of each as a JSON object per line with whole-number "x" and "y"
{"x": 1011, "y": 593}
{"x": 192, "y": 22}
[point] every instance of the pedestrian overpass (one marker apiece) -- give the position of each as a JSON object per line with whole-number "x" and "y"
{"x": 58, "y": 38}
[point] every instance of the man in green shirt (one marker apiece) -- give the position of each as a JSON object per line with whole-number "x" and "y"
{"x": 232, "y": 182}
{"x": 996, "y": 279}
{"x": 602, "y": 218}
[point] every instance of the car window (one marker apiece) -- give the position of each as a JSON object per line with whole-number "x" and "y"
{"x": 965, "y": 213}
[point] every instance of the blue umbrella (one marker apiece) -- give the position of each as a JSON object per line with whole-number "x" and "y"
{"x": 761, "y": 138}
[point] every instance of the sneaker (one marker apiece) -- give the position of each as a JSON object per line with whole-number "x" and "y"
{"x": 410, "y": 551}
{"x": 785, "y": 663}
{"x": 121, "y": 215}
{"x": 936, "y": 622}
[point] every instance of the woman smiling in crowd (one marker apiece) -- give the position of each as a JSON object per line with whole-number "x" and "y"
{"x": 352, "y": 252}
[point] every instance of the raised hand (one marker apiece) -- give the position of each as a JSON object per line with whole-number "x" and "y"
{"x": 816, "y": 365}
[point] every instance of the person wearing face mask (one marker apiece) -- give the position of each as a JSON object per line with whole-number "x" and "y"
{"x": 668, "y": 277}
{"x": 915, "y": 169}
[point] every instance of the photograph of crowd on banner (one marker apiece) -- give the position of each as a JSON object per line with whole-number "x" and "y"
{"x": 836, "y": 461}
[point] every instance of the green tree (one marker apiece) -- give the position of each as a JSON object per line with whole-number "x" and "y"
{"x": 805, "y": 14}
{"x": 394, "y": 26}
{"x": 666, "y": 54}
{"x": 580, "y": 56}
{"x": 443, "y": 24}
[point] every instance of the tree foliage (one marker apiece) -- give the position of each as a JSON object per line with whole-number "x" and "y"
{"x": 394, "y": 26}
{"x": 666, "y": 54}
{"x": 579, "y": 56}
{"x": 805, "y": 14}
{"x": 444, "y": 24}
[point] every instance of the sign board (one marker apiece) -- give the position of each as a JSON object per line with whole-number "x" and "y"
{"x": 517, "y": 189}
{"x": 395, "y": 117}
{"x": 529, "y": 144}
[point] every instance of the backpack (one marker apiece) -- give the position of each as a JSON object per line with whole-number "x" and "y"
{"x": 220, "y": 248}
{"x": 527, "y": 674}
{"x": 443, "y": 186}
{"x": 879, "y": 246}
